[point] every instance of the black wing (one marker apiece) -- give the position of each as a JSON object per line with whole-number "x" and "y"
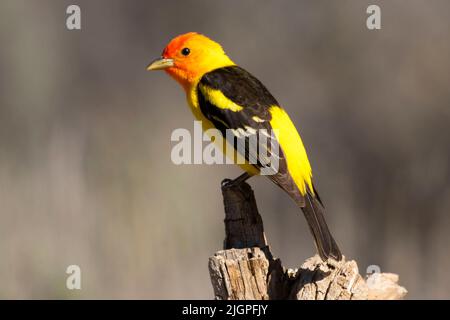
{"x": 254, "y": 100}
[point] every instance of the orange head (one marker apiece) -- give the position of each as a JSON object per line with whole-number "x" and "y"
{"x": 189, "y": 56}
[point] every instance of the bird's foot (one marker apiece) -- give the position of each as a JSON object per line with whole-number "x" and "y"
{"x": 228, "y": 183}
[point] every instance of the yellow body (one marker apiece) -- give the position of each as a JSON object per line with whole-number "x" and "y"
{"x": 203, "y": 56}
{"x": 286, "y": 134}
{"x": 293, "y": 149}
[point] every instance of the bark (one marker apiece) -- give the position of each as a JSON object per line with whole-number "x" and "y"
{"x": 247, "y": 270}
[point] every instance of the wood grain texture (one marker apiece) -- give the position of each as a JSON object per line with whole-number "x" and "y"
{"x": 247, "y": 270}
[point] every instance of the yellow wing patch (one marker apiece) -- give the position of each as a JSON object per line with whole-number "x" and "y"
{"x": 218, "y": 99}
{"x": 227, "y": 148}
{"x": 293, "y": 149}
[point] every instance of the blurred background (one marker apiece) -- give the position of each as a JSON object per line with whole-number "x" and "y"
{"x": 85, "y": 170}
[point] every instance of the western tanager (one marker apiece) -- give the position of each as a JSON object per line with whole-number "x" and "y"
{"x": 225, "y": 96}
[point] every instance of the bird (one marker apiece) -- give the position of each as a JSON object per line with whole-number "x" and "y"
{"x": 223, "y": 95}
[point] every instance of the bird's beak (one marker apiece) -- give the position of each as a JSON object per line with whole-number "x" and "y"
{"x": 160, "y": 64}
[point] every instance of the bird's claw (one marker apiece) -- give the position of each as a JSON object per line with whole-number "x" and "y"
{"x": 226, "y": 183}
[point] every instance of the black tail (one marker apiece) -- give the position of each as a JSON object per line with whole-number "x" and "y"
{"x": 325, "y": 243}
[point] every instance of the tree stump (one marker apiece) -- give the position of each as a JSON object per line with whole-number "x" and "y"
{"x": 247, "y": 270}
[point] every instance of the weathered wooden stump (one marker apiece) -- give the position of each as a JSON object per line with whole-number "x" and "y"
{"x": 247, "y": 270}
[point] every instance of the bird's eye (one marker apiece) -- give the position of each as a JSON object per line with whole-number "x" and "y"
{"x": 185, "y": 51}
